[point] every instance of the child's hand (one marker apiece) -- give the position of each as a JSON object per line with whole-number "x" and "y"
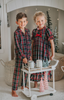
{"x": 30, "y": 58}
{"x": 51, "y": 58}
{"x": 25, "y": 60}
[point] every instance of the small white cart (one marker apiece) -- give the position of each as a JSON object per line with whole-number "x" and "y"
{"x": 34, "y": 92}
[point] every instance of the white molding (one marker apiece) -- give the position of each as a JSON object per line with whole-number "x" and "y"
{"x": 9, "y": 43}
{"x": 48, "y": 2}
{"x": 40, "y": 2}
{"x": 16, "y": 4}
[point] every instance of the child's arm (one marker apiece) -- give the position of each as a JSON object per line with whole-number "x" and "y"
{"x": 18, "y": 49}
{"x": 52, "y": 49}
{"x": 32, "y": 38}
{"x": 32, "y": 48}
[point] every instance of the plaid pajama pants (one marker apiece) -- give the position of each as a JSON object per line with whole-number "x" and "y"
{"x": 16, "y": 75}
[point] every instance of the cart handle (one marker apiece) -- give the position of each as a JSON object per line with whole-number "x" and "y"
{"x": 57, "y": 61}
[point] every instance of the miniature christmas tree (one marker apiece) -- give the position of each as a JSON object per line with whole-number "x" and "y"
{"x": 45, "y": 64}
{"x": 41, "y": 86}
{"x": 48, "y": 21}
{"x": 56, "y": 40}
{"x": 45, "y": 81}
{"x": 0, "y": 5}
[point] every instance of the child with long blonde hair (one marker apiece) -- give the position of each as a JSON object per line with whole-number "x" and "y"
{"x": 41, "y": 39}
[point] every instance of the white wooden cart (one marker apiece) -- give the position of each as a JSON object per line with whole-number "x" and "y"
{"x": 34, "y": 92}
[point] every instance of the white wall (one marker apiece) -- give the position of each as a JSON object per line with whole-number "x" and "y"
{"x": 4, "y": 52}
{"x": 61, "y": 30}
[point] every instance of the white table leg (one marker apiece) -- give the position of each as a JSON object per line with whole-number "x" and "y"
{"x": 29, "y": 83}
{"x": 53, "y": 80}
{"x": 23, "y": 82}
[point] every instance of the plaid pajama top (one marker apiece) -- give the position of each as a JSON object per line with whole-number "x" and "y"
{"x": 41, "y": 46}
{"x": 22, "y": 44}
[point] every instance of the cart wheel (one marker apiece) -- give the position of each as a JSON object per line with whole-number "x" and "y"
{"x": 51, "y": 94}
{"x": 34, "y": 97}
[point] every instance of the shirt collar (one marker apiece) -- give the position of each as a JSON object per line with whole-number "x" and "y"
{"x": 26, "y": 30}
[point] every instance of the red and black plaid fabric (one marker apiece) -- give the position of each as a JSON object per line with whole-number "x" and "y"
{"x": 41, "y": 48}
{"x": 22, "y": 50}
{"x": 22, "y": 43}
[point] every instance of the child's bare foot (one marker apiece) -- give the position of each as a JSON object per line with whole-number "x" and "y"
{"x": 22, "y": 87}
{"x": 35, "y": 84}
{"x": 25, "y": 87}
{"x": 14, "y": 93}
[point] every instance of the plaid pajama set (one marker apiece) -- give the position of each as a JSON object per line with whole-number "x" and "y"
{"x": 41, "y": 49}
{"x": 22, "y": 50}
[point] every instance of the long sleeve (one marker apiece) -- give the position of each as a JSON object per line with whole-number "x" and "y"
{"x": 30, "y": 48}
{"x": 30, "y": 51}
{"x": 17, "y": 46}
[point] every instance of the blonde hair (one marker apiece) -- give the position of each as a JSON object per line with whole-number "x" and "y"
{"x": 39, "y": 13}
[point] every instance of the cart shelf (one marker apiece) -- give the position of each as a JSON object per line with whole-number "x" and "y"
{"x": 37, "y": 93}
{"x": 34, "y": 92}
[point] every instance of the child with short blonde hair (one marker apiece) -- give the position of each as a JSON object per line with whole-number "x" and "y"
{"x": 41, "y": 39}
